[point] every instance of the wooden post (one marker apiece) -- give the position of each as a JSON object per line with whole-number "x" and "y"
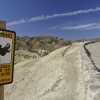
{"x": 2, "y": 92}
{"x": 2, "y": 26}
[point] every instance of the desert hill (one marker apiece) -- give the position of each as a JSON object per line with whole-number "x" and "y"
{"x": 47, "y": 43}
{"x": 34, "y": 47}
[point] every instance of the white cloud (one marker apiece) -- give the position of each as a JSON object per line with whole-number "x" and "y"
{"x": 38, "y": 18}
{"x": 74, "y": 13}
{"x": 16, "y": 22}
{"x": 89, "y": 26}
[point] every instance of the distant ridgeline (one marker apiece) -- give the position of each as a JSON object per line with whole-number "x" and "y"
{"x": 93, "y": 39}
{"x": 47, "y": 43}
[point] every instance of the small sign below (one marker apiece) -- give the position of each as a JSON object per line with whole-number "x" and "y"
{"x": 7, "y": 50}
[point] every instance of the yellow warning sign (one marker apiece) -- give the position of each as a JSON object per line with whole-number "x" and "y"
{"x": 7, "y": 49}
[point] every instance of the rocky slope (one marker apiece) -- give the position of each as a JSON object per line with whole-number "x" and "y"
{"x": 35, "y": 47}
{"x": 47, "y": 43}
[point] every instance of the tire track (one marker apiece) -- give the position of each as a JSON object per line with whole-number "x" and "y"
{"x": 66, "y": 50}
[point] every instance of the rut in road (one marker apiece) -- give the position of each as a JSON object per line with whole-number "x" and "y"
{"x": 72, "y": 57}
{"x": 89, "y": 55}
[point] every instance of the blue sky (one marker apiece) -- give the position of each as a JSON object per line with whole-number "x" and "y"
{"x": 69, "y": 19}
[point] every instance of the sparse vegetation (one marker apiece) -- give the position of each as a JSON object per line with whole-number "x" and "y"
{"x": 47, "y": 43}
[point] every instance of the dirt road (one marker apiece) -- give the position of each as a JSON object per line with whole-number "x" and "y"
{"x": 57, "y": 76}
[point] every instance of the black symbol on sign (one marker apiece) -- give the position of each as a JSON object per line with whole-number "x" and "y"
{"x": 0, "y": 70}
{"x": 5, "y": 49}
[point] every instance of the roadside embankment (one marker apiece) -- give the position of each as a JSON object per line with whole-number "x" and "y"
{"x": 91, "y": 71}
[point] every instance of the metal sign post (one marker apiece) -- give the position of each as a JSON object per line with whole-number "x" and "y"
{"x": 7, "y": 48}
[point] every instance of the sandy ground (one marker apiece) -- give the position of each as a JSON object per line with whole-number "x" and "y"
{"x": 95, "y": 53}
{"x": 91, "y": 71}
{"x": 64, "y": 74}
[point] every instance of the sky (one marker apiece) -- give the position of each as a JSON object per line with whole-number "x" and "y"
{"x": 68, "y": 19}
